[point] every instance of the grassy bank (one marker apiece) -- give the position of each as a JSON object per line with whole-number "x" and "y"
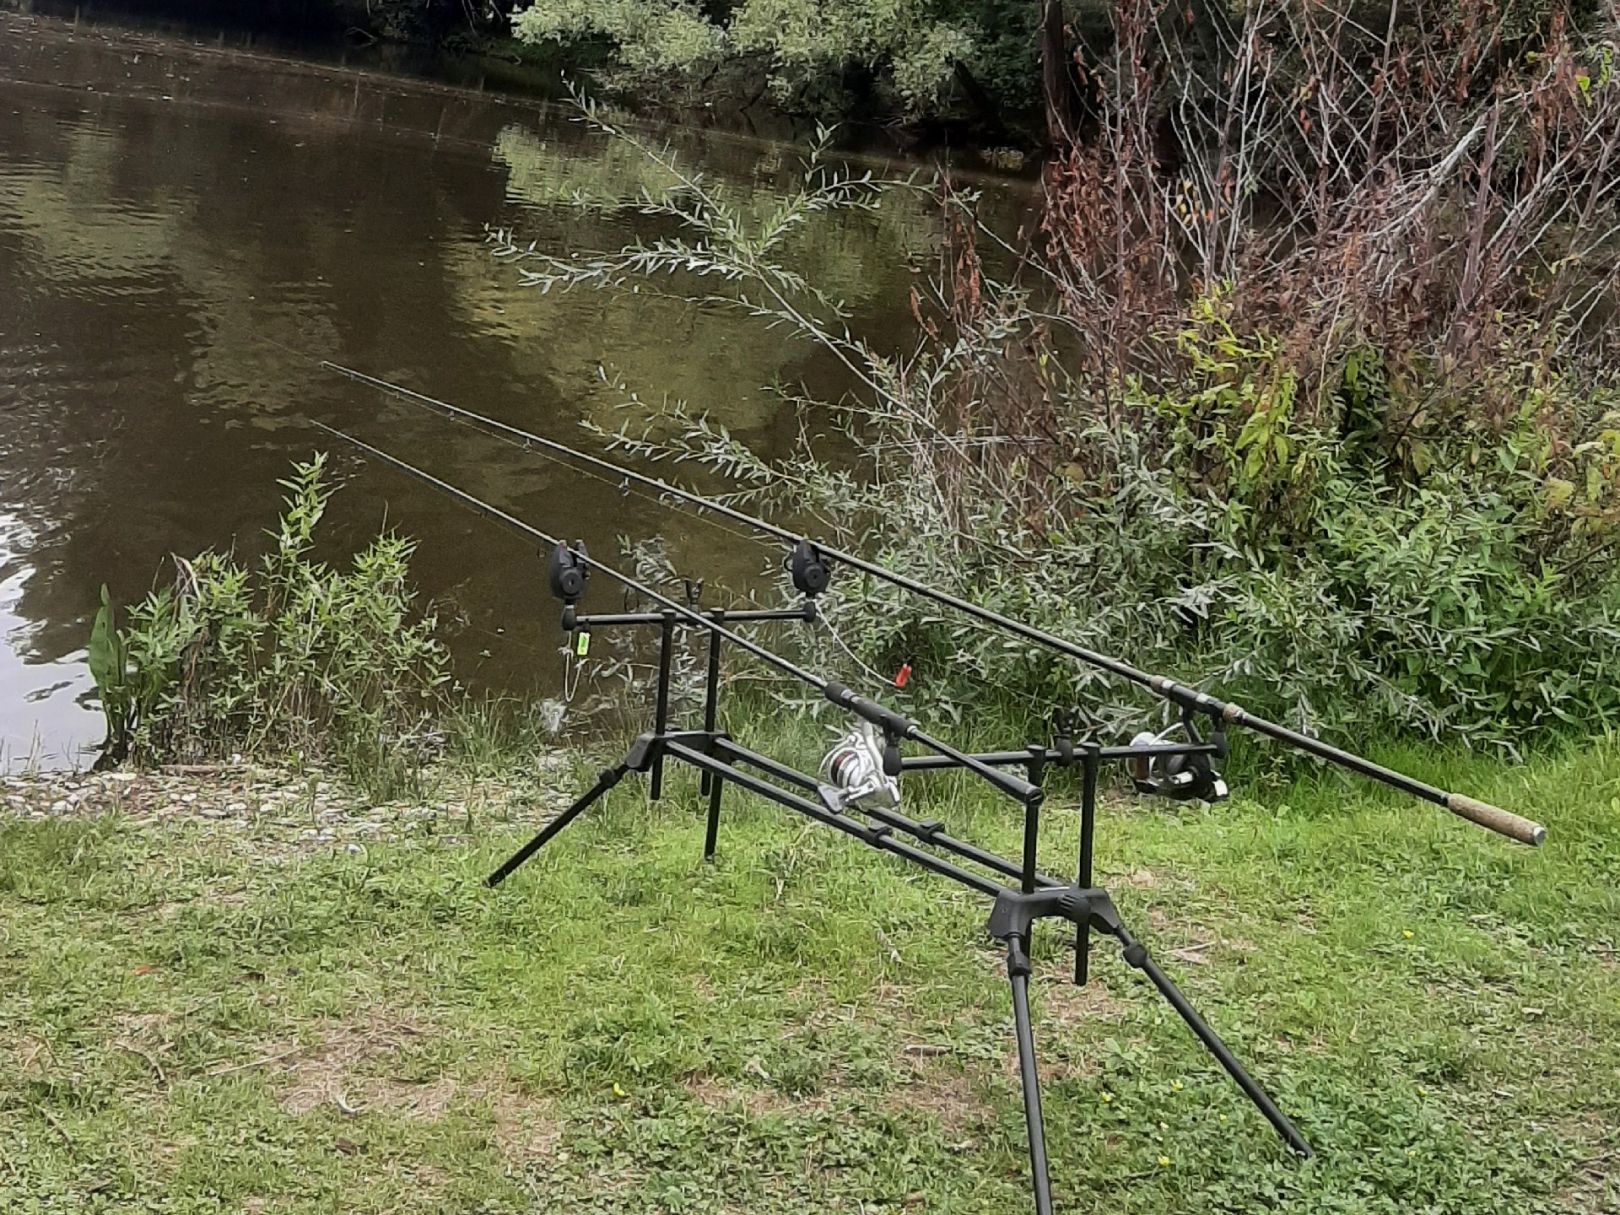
{"x": 197, "y": 1017}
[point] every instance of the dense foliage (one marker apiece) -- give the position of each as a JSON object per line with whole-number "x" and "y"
{"x": 912, "y": 55}
{"x": 998, "y": 63}
{"x": 288, "y": 657}
{"x": 1325, "y": 414}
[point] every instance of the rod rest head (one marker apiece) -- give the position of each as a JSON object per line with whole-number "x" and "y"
{"x": 1015, "y": 911}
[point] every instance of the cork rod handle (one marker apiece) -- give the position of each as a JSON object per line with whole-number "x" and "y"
{"x": 1496, "y": 819}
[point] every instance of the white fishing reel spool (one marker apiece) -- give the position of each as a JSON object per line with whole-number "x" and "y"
{"x": 852, "y": 773}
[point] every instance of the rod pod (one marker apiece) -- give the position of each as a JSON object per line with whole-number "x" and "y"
{"x": 1482, "y": 813}
{"x": 1015, "y": 911}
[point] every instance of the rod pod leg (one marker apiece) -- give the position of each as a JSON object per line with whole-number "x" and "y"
{"x": 1015, "y": 912}
{"x": 1029, "y": 1081}
{"x": 655, "y": 786}
{"x": 1088, "y": 826}
{"x": 711, "y": 828}
{"x": 711, "y": 708}
{"x": 603, "y": 783}
{"x": 1136, "y": 955}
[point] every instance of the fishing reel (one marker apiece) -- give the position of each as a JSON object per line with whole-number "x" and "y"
{"x": 1180, "y": 777}
{"x": 809, "y": 568}
{"x": 861, "y": 770}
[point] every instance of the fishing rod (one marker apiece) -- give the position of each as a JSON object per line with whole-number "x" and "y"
{"x": 895, "y": 725}
{"x": 1188, "y": 699}
{"x": 858, "y": 794}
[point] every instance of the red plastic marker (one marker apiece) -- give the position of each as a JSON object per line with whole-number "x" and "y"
{"x": 903, "y": 676}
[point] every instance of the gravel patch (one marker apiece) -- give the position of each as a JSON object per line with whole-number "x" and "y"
{"x": 300, "y": 808}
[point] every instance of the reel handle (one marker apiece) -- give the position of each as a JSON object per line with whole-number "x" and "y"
{"x": 1494, "y": 818}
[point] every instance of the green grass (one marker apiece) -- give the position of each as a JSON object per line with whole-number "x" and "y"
{"x": 192, "y": 1020}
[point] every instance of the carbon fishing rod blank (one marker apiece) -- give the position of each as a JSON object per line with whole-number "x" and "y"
{"x": 1493, "y": 818}
{"x": 858, "y": 796}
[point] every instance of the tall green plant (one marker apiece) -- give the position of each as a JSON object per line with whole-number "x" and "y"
{"x": 289, "y": 656}
{"x": 109, "y": 668}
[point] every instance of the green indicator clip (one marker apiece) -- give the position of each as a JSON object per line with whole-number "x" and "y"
{"x": 582, "y": 643}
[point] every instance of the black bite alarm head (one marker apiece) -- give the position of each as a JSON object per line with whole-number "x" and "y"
{"x": 567, "y": 571}
{"x": 811, "y": 571}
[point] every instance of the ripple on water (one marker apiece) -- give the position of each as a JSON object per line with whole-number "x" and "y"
{"x": 55, "y": 726}
{"x": 185, "y": 232}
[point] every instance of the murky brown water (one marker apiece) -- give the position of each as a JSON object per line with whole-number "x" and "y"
{"x": 183, "y": 232}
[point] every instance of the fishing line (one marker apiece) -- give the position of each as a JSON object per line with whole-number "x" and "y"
{"x": 620, "y": 484}
{"x": 871, "y": 672}
{"x": 1190, "y": 700}
{"x": 893, "y": 723}
{"x": 624, "y": 487}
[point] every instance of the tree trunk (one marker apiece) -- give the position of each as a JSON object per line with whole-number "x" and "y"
{"x": 989, "y": 111}
{"x": 1057, "y": 74}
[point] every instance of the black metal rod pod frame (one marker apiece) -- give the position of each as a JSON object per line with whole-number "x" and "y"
{"x": 719, "y": 759}
{"x": 1493, "y": 818}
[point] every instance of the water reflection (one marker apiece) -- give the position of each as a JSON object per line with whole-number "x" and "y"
{"x": 182, "y": 235}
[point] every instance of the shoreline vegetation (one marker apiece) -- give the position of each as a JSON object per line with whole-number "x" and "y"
{"x": 1014, "y": 83}
{"x": 1010, "y": 79}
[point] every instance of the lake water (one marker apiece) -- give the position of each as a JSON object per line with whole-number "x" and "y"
{"x": 186, "y": 230}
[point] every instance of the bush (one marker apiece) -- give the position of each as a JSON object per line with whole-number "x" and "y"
{"x": 1322, "y": 421}
{"x": 906, "y": 57}
{"x": 289, "y": 657}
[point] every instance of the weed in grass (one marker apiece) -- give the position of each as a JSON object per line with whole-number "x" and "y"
{"x": 288, "y": 657}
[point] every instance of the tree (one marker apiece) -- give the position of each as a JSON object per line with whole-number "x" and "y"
{"x": 812, "y": 55}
